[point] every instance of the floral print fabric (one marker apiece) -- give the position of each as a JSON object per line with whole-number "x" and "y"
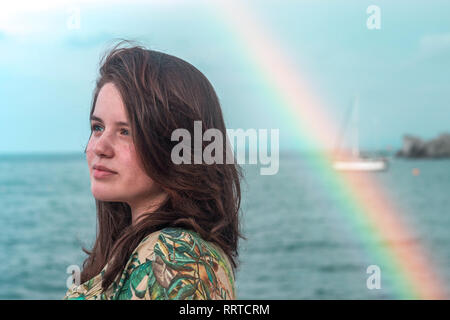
{"x": 173, "y": 263}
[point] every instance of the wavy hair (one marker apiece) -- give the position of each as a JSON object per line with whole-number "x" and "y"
{"x": 162, "y": 93}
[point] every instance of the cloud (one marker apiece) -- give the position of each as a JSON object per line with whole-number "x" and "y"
{"x": 27, "y": 17}
{"x": 434, "y": 48}
{"x": 79, "y": 41}
{"x": 433, "y": 45}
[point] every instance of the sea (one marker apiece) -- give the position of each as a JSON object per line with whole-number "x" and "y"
{"x": 301, "y": 242}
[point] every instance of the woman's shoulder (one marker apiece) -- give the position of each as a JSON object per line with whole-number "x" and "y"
{"x": 179, "y": 264}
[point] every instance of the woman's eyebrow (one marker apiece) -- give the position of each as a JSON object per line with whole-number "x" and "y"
{"x": 119, "y": 123}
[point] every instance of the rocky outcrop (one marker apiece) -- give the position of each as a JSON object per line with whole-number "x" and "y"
{"x": 414, "y": 147}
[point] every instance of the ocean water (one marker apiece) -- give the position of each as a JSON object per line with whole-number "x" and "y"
{"x": 301, "y": 242}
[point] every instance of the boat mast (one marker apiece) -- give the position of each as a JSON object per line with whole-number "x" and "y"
{"x": 355, "y": 147}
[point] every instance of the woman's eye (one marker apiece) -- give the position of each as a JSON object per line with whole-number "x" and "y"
{"x": 94, "y": 127}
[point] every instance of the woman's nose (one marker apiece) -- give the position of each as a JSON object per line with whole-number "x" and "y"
{"x": 102, "y": 146}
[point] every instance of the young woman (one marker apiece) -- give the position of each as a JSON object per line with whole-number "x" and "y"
{"x": 165, "y": 230}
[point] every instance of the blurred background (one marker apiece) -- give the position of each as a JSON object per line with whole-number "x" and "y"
{"x": 366, "y": 76}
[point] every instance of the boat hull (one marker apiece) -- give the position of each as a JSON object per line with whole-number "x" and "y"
{"x": 360, "y": 165}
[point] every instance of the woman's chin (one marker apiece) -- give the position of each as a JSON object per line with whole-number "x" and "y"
{"x": 103, "y": 195}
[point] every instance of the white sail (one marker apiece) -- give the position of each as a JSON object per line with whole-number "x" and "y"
{"x": 355, "y": 123}
{"x": 355, "y": 162}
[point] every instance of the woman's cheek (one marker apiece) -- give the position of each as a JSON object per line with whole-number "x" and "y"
{"x": 89, "y": 153}
{"x": 128, "y": 162}
{"x": 89, "y": 157}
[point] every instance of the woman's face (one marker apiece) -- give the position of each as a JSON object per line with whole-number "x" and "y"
{"x": 111, "y": 146}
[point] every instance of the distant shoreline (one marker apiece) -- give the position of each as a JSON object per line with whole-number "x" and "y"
{"x": 415, "y": 147}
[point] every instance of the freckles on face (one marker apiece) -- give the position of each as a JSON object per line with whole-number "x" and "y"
{"x": 135, "y": 176}
{"x": 130, "y": 163}
{"x": 133, "y": 184}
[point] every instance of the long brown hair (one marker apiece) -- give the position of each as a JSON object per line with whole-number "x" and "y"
{"x": 162, "y": 93}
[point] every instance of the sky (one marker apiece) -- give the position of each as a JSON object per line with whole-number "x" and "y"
{"x": 50, "y": 51}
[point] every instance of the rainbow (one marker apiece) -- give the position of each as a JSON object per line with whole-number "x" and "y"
{"x": 366, "y": 206}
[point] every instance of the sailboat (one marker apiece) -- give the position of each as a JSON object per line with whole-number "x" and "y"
{"x": 355, "y": 161}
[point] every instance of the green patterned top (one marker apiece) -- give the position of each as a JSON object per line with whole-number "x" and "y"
{"x": 172, "y": 263}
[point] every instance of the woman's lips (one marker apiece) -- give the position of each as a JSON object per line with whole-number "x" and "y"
{"x": 98, "y": 174}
